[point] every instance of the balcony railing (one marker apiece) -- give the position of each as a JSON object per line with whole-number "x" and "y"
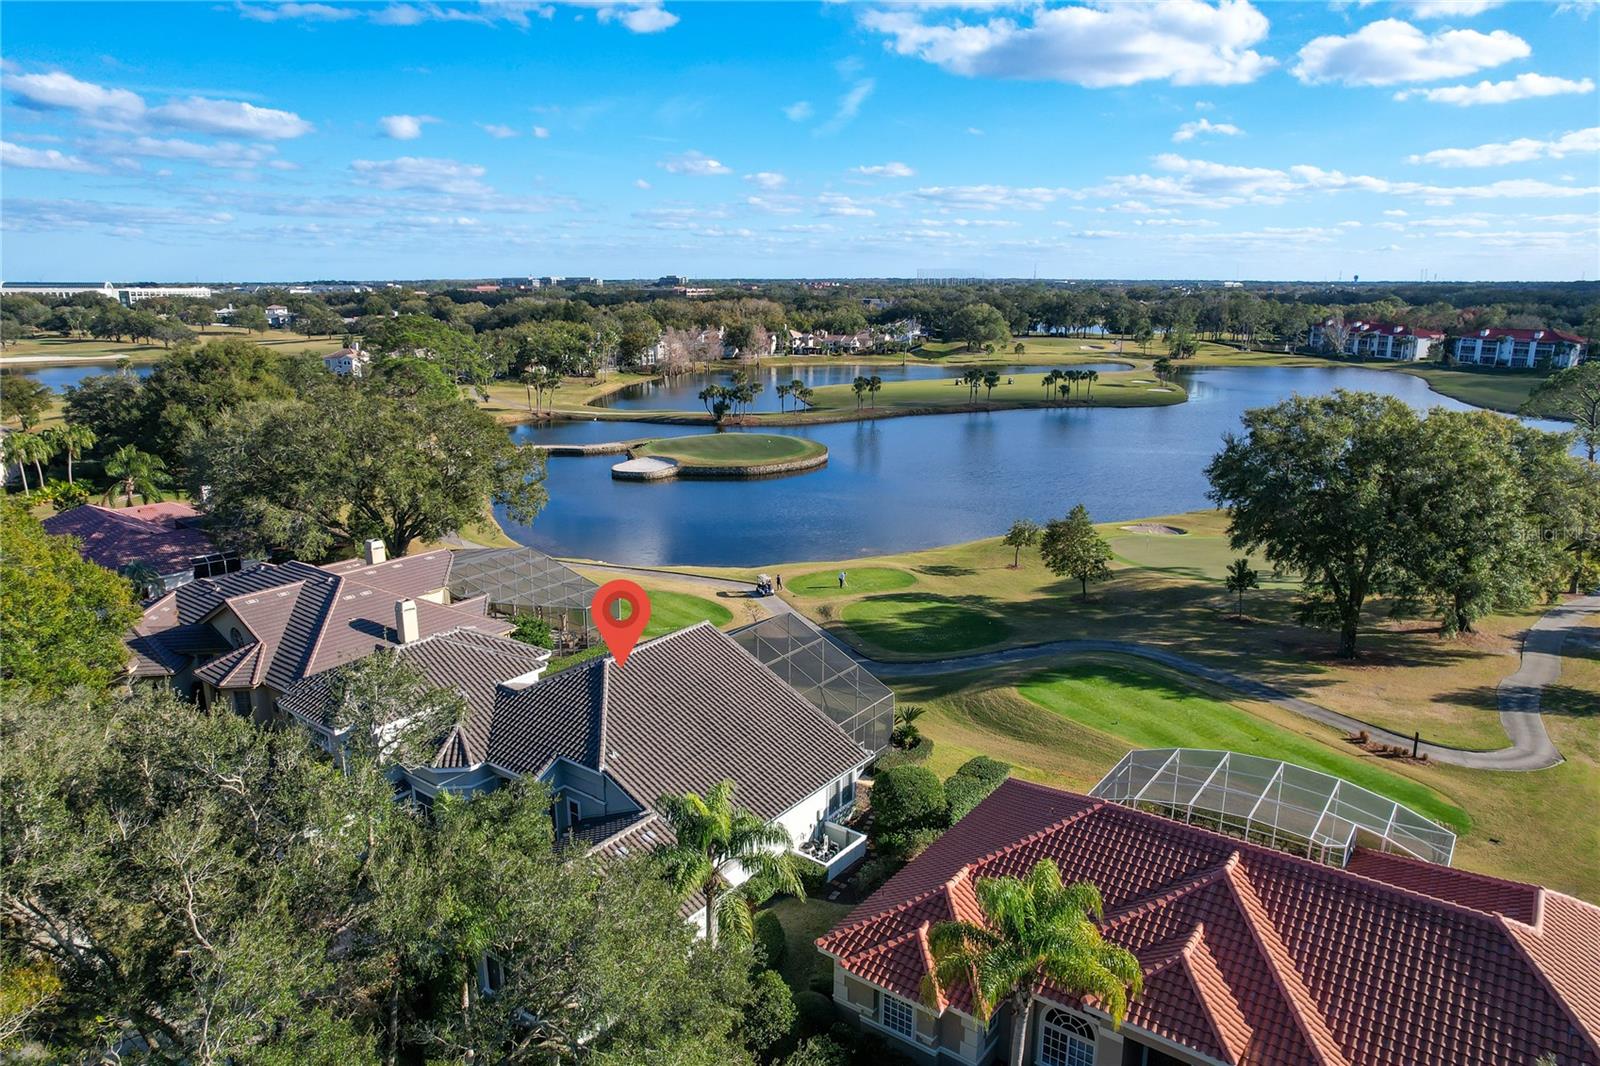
{"x": 835, "y": 848}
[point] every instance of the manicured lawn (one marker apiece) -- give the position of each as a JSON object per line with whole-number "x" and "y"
{"x": 1498, "y": 390}
{"x": 804, "y": 920}
{"x": 1152, "y": 712}
{"x": 672, "y": 611}
{"x": 68, "y": 349}
{"x": 920, "y": 624}
{"x": 732, "y": 449}
{"x": 858, "y": 581}
{"x": 1114, "y": 389}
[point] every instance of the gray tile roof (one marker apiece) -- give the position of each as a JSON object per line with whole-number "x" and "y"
{"x": 689, "y": 710}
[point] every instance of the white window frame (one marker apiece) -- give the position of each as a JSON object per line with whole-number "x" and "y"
{"x": 886, "y": 1001}
{"x": 1073, "y": 1032}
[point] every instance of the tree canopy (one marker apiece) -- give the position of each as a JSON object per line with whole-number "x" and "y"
{"x": 1072, "y": 547}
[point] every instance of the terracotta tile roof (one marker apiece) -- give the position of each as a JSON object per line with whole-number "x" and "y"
{"x": 1255, "y": 956}
{"x": 118, "y": 537}
{"x": 691, "y": 709}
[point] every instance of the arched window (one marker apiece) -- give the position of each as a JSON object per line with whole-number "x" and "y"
{"x": 236, "y": 637}
{"x": 1066, "y": 1040}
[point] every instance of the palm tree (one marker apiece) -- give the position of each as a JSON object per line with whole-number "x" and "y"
{"x": 783, "y": 395}
{"x": 874, "y": 383}
{"x": 134, "y": 471}
{"x": 859, "y": 386}
{"x": 71, "y": 440}
{"x": 713, "y": 838}
{"x": 35, "y": 448}
{"x": 991, "y": 378}
{"x": 1050, "y": 380}
{"x": 16, "y": 449}
{"x": 1091, "y": 376}
{"x": 1037, "y": 930}
{"x": 531, "y": 376}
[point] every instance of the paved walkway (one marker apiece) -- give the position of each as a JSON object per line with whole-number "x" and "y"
{"x": 1519, "y": 694}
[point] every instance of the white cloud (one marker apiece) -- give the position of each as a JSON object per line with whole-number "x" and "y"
{"x": 849, "y": 106}
{"x": 886, "y": 170}
{"x": 1190, "y": 130}
{"x": 767, "y": 179}
{"x": 16, "y": 155}
{"x": 303, "y": 12}
{"x": 1522, "y": 87}
{"x": 974, "y": 131}
{"x": 640, "y": 183}
{"x": 1395, "y": 212}
{"x": 231, "y": 117}
{"x": 404, "y": 127}
{"x": 422, "y": 174}
{"x": 843, "y": 206}
{"x": 226, "y": 155}
{"x": 1187, "y": 42}
{"x": 498, "y": 132}
{"x": 1390, "y": 51}
{"x": 798, "y": 111}
{"x": 541, "y": 132}
{"x": 1444, "y": 9}
{"x": 991, "y": 197}
{"x": 696, "y": 163}
{"x": 58, "y": 90}
{"x": 648, "y": 17}
{"x": 1521, "y": 150}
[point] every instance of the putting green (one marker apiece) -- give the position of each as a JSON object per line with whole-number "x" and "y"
{"x": 857, "y": 580}
{"x": 732, "y": 449}
{"x": 917, "y": 624}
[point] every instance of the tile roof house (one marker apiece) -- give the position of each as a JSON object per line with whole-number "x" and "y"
{"x": 1378, "y": 340}
{"x": 1250, "y": 955}
{"x": 1520, "y": 349}
{"x": 250, "y": 636}
{"x": 690, "y": 710}
{"x": 160, "y": 536}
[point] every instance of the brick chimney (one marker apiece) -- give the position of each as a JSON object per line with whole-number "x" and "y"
{"x": 374, "y": 552}
{"x": 406, "y": 629}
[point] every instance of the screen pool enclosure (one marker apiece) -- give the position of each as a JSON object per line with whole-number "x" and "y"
{"x": 524, "y": 581}
{"x": 1277, "y": 804}
{"x": 825, "y": 674}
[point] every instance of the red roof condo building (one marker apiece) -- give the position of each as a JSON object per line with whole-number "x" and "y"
{"x": 1520, "y": 349}
{"x": 1249, "y": 955}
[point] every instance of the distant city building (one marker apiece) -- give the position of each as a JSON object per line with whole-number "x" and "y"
{"x": 127, "y": 295}
{"x": 576, "y": 283}
{"x": 671, "y": 281}
{"x": 517, "y": 283}
{"x": 1379, "y": 340}
{"x": 1521, "y": 349}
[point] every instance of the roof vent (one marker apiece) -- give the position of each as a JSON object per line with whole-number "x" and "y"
{"x": 374, "y": 552}
{"x": 406, "y": 629}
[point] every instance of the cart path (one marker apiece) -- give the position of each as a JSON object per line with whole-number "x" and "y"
{"x": 1519, "y": 694}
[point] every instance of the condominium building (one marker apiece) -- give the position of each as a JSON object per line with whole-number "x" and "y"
{"x": 1520, "y": 349}
{"x": 1377, "y": 340}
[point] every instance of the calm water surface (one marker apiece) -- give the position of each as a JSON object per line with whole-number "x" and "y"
{"x": 682, "y": 393}
{"x": 60, "y": 378}
{"x": 901, "y": 484}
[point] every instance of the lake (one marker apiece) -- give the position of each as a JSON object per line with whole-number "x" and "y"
{"x": 60, "y": 378}
{"x": 681, "y": 393}
{"x": 901, "y": 484}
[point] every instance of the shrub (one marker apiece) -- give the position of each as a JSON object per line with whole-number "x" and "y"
{"x": 874, "y": 872}
{"x": 969, "y": 785}
{"x": 814, "y": 1011}
{"x": 822, "y": 980}
{"x": 818, "y": 1051}
{"x": 770, "y": 939}
{"x": 919, "y": 752}
{"x": 531, "y": 630}
{"x": 904, "y": 845}
{"x": 907, "y": 798}
{"x": 770, "y": 1013}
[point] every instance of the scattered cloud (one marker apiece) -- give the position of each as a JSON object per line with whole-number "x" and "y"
{"x": 17, "y": 155}
{"x": 973, "y": 131}
{"x": 293, "y": 12}
{"x": 849, "y": 106}
{"x": 640, "y": 183}
{"x": 798, "y": 111}
{"x": 541, "y": 132}
{"x": 991, "y": 197}
{"x": 498, "y": 132}
{"x": 1186, "y": 42}
{"x": 231, "y": 117}
{"x": 647, "y": 17}
{"x": 696, "y": 163}
{"x": 835, "y": 205}
{"x": 1390, "y": 51}
{"x": 767, "y": 179}
{"x": 1522, "y": 87}
{"x": 886, "y": 170}
{"x": 224, "y": 155}
{"x": 404, "y": 127}
{"x": 60, "y": 91}
{"x": 1521, "y": 150}
{"x": 1445, "y": 9}
{"x": 1190, "y": 130}
{"x": 422, "y": 174}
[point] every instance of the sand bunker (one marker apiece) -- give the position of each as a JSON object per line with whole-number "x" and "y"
{"x": 1157, "y": 528}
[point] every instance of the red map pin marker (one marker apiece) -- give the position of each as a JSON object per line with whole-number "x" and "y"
{"x": 620, "y": 635}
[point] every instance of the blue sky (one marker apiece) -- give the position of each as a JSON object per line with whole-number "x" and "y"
{"x": 1185, "y": 139}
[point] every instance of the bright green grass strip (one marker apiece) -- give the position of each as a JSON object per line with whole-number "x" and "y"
{"x": 732, "y": 449}
{"x": 669, "y": 612}
{"x": 916, "y": 623}
{"x": 1151, "y": 712}
{"x": 857, "y": 580}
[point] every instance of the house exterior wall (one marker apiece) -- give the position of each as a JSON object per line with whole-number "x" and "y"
{"x": 801, "y": 820}
{"x": 596, "y": 794}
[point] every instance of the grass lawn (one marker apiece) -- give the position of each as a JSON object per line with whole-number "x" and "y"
{"x": 920, "y": 624}
{"x": 72, "y": 349}
{"x": 1114, "y": 389}
{"x": 732, "y": 449}
{"x": 671, "y": 609}
{"x": 804, "y": 920}
{"x": 1168, "y": 591}
{"x": 1498, "y": 390}
{"x": 1154, "y": 712}
{"x": 858, "y": 581}
{"x": 1524, "y": 826}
